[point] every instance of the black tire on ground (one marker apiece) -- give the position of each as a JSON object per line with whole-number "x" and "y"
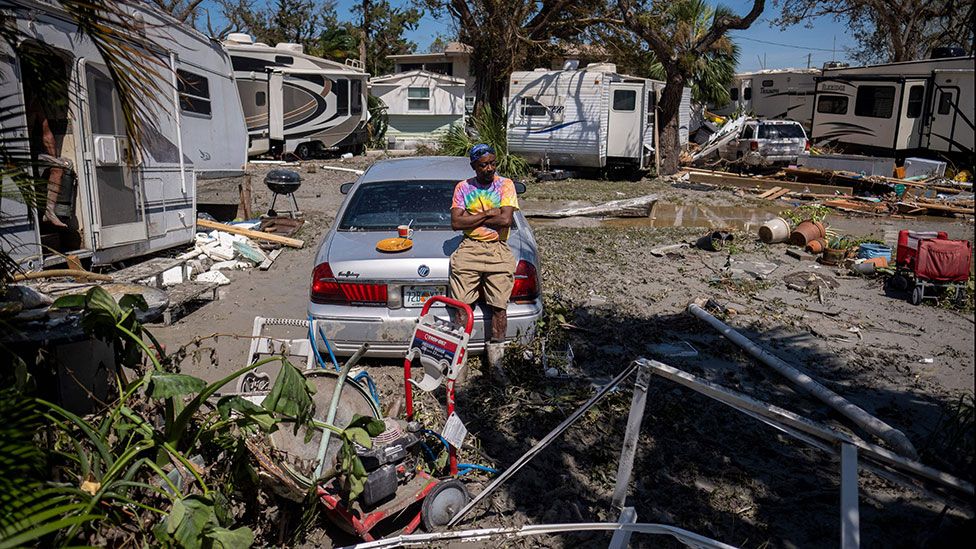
{"x": 304, "y": 151}
{"x": 899, "y": 282}
{"x": 917, "y": 294}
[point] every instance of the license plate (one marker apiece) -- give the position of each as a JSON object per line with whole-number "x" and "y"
{"x": 416, "y": 296}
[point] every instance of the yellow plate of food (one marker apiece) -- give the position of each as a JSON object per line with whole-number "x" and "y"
{"x": 396, "y": 244}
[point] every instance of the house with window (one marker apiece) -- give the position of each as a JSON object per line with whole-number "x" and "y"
{"x": 421, "y": 105}
{"x": 454, "y": 61}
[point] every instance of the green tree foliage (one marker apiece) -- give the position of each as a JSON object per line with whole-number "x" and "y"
{"x": 489, "y": 127}
{"x": 297, "y": 21}
{"x": 186, "y": 11}
{"x": 504, "y": 34}
{"x": 890, "y": 30}
{"x": 672, "y": 32}
{"x": 713, "y": 70}
{"x": 380, "y": 27}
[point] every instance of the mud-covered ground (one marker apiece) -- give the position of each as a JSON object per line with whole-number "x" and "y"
{"x": 700, "y": 465}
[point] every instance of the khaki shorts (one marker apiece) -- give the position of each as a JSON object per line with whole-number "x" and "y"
{"x": 483, "y": 268}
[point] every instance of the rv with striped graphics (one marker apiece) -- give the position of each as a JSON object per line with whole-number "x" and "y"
{"x": 295, "y": 103}
{"x": 779, "y": 94}
{"x": 117, "y": 200}
{"x": 921, "y": 107}
{"x": 588, "y": 118}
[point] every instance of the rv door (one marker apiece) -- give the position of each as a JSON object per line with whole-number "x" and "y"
{"x": 624, "y": 136}
{"x": 276, "y": 112}
{"x": 20, "y": 236}
{"x": 111, "y": 167}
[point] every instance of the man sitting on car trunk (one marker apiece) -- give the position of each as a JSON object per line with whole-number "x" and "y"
{"x": 483, "y": 264}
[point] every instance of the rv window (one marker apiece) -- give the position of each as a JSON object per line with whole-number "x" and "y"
{"x": 531, "y": 107}
{"x": 832, "y": 104}
{"x": 260, "y": 98}
{"x": 915, "y": 96}
{"x": 945, "y": 102}
{"x": 469, "y": 104}
{"x": 874, "y": 101}
{"x": 747, "y": 94}
{"x": 284, "y": 60}
{"x": 418, "y": 99}
{"x": 734, "y": 94}
{"x": 356, "y": 96}
{"x": 342, "y": 96}
{"x": 767, "y": 83}
{"x": 624, "y": 100}
{"x": 194, "y": 92}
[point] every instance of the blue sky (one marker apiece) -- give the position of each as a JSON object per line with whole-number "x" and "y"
{"x": 779, "y": 49}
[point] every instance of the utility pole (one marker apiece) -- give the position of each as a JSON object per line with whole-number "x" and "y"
{"x": 808, "y": 60}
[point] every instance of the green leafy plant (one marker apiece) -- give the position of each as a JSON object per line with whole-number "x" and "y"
{"x": 813, "y": 212}
{"x": 841, "y": 243}
{"x": 490, "y": 128}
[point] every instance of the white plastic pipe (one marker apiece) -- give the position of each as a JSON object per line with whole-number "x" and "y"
{"x": 869, "y": 423}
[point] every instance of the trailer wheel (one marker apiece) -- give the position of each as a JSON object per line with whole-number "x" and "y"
{"x": 898, "y": 282}
{"x": 304, "y": 151}
{"x": 917, "y": 293}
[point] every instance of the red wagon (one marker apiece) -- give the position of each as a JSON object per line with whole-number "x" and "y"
{"x": 932, "y": 263}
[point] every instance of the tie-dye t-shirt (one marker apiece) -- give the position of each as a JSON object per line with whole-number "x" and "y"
{"x": 471, "y": 196}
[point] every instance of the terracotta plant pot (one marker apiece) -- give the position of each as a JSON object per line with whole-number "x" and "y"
{"x": 775, "y": 230}
{"x": 806, "y": 231}
{"x": 816, "y": 246}
{"x": 834, "y": 256}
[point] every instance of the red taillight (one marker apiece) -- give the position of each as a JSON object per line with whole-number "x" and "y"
{"x": 526, "y": 283}
{"x": 326, "y": 289}
{"x": 806, "y": 146}
{"x": 753, "y": 145}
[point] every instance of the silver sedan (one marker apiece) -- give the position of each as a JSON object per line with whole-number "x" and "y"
{"x": 359, "y": 294}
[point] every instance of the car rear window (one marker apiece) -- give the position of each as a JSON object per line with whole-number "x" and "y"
{"x": 383, "y": 205}
{"x": 781, "y": 131}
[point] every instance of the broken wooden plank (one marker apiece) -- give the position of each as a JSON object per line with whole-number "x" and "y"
{"x": 777, "y": 194}
{"x": 630, "y": 207}
{"x": 730, "y": 180}
{"x": 770, "y": 192}
{"x": 271, "y": 259}
{"x": 291, "y": 242}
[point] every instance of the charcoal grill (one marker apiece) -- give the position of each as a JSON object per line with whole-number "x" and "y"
{"x": 284, "y": 182}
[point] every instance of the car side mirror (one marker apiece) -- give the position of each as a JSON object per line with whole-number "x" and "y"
{"x": 344, "y": 188}
{"x": 519, "y": 187}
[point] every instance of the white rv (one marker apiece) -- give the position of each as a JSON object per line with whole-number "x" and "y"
{"x": 125, "y": 201}
{"x": 588, "y": 118}
{"x": 899, "y": 108}
{"x": 773, "y": 94}
{"x": 297, "y": 103}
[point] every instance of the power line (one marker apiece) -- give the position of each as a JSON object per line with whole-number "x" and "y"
{"x": 782, "y": 45}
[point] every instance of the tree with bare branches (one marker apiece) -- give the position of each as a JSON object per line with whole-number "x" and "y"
{"x": 185, "y": 11}
{"x": 681, "y": 47}
{"x": 890, "y": 30}
{"x": 503, "y": 34}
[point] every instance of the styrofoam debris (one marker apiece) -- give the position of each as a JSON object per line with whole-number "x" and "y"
{"x": 231, "y": 265}
{"x": 213, "y": 276}
{"x": 173, "y": 276}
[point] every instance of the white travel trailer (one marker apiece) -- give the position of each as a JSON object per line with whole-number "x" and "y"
{"x": 588, "y": 118}
{"x": 124, "y": 201}
{"x": 773, "y": 94}
{"x": 297, "y": 103}
{"x": 899, "y": 109}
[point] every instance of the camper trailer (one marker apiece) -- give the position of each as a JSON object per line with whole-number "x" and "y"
{"x": 773, "y": 94}
{"x": 589, "y": 118}
{"x": 297, "y": 103}
{"x": 898, "y": 109}
{"x": 116, "y": 201}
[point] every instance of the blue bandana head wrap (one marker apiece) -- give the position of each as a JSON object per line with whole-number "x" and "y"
{"x": 480, "y": 150}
